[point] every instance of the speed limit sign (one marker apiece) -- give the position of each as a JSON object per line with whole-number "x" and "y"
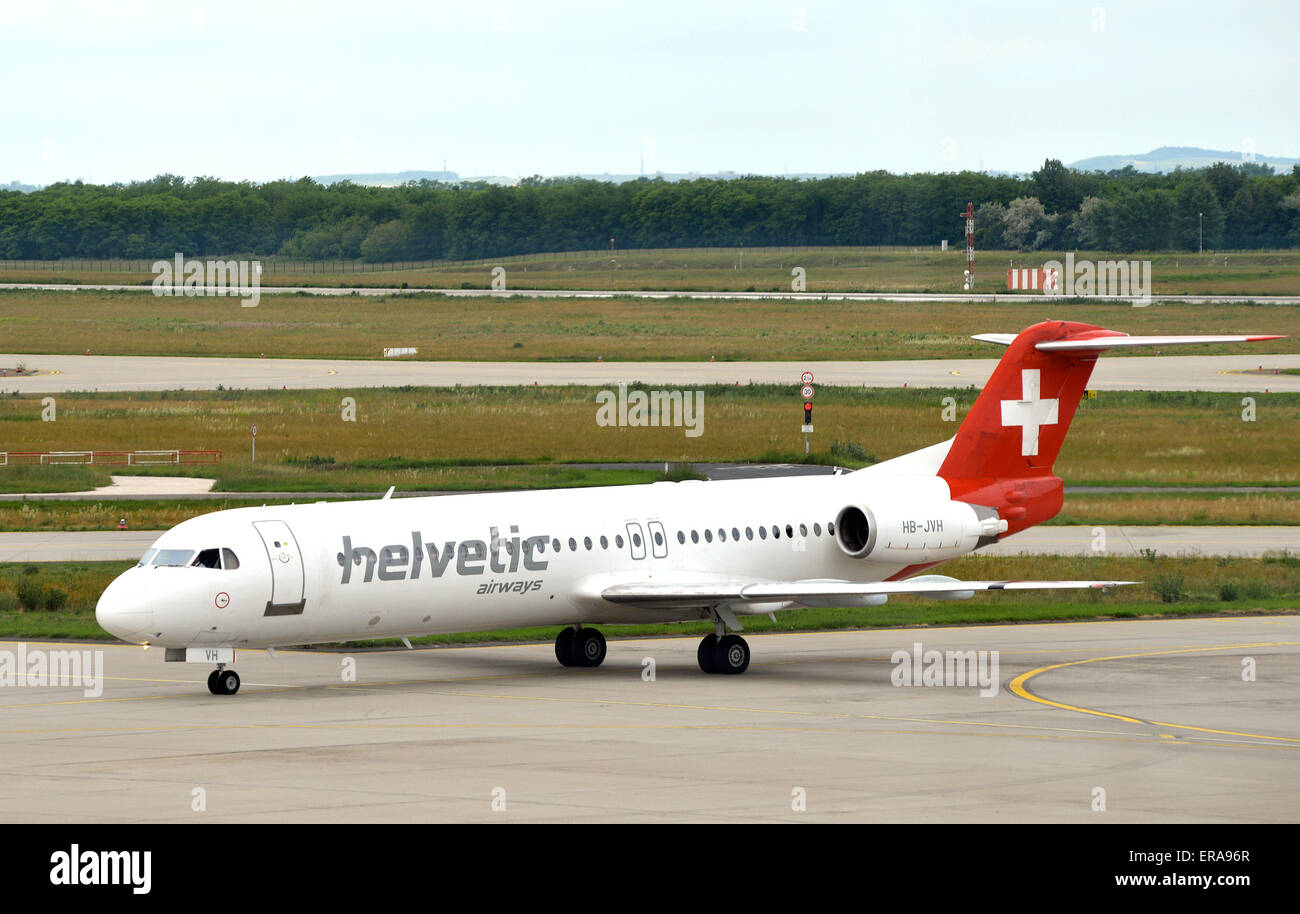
{"x": 807, "y": 392}
{"x": 806, "y": 377}
{"x": 254, "y": 431}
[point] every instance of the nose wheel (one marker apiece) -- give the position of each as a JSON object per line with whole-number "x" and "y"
{"x": 222, "y": 681}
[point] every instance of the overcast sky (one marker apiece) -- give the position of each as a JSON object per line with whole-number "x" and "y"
{"x": 121, "y": 91}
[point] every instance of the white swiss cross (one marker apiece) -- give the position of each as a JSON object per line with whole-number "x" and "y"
{"x": 1030, "y": 412}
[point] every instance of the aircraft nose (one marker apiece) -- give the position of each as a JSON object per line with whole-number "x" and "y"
{"x": 123, "y": 611}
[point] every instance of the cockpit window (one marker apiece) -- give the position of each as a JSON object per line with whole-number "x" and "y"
{"x": 173, "y": 558}
{"x": 208, "y": 558}
{"x": 147, "y": 557}
{"x": 229, "y": 559}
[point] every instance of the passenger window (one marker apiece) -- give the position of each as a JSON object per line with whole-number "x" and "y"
{"x": 573, "y": 545}
{"x": 735, "y": 534}
{"x": 695, "y": 536}
{"x": 817, "y": 529}
{"x": 722, "y": 535}
{"x": 708, "y": 535}
{"x": 618, "y": 540}
{"x": 762, "y": 533}
{"x": 228, "y": 559}
{"x": 749, "y": 533}
{"x": 604, "y": 542}
{"x": 776, "y": 532}
{"x": 789, "y": 531}
{"x": 208, "y": 558}
{"x": 586, "y": 541}
{"x": 681, "y": 537}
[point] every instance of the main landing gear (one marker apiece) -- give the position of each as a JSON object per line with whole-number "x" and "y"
{"x": 726, "y": 654}
{"x": 577, "y": 646}
{"x": 222, "y": 681}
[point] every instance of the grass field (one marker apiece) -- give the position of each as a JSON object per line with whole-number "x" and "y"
{"x": 838, "y": 269}
{"x": 442, "y": 328}
{"x": 35, "y": 479}
{"x": 1198, "y": 509}
{"x": 297, "y": 477}
{"x": 430, "y": 439}
{"x": 1171, "y": 586}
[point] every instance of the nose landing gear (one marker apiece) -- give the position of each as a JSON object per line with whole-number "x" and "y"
{"x": 222, "y": 681}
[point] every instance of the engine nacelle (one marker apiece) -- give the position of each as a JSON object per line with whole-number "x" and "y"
{"x": 911, "y": 533}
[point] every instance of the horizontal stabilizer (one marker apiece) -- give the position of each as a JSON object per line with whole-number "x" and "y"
{"x": 1085, "y": 342}
{"x": 1125, "y": 342}
{"x": 1002, "y": 339}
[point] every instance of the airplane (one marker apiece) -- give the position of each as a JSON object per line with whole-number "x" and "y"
{"x": 279, "y": 576}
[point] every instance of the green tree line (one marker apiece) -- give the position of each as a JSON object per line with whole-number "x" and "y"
{"x": 1234, "y": 206}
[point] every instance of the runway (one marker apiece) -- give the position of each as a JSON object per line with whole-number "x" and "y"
{"x": 65, "y": 373}
{"x": 122, "y": 545}
{"x": 954, "y": 297}
{"x": 1170, "y": 539}
{"x": 1123, "y": 721}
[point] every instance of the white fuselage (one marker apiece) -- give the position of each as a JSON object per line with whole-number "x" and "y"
{"x": 490, "y": 561}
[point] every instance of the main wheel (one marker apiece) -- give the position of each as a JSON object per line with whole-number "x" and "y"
{"x": 564, "y": 647}
{"x": 227, "y": 682}
{"x": 212, "y": 682}
{"x": 704, "y": 654}
{"x": 731, "y": 655}
{"x": 589, "y": 647}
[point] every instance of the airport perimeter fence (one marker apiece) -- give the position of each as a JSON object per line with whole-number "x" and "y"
{"x": 172, "y": 457}
{"x": 277, "y": 266}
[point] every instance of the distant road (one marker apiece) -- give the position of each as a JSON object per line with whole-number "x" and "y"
{"x": 960, "y": 297}
{"x": 1166, "y": 540}
{"x": 119, "y": 545}
{"x": 63, "y": 373}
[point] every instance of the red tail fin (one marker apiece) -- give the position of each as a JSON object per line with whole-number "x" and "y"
{"x": 1003, "y": 453}
{"x": 1020, "y": 419}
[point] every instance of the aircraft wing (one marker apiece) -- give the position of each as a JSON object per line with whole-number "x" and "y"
{"x": 822, "y": 593}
